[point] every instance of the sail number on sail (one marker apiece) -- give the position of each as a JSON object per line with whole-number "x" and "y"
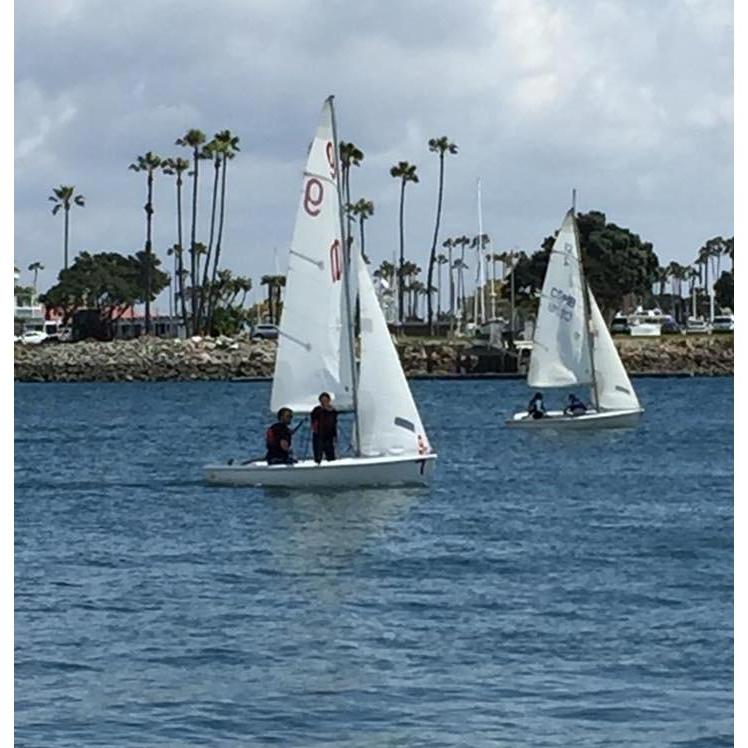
{"x": 562, "y": 304}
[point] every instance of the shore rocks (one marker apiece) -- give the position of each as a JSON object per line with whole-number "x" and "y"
{"x": 161, "y": 359}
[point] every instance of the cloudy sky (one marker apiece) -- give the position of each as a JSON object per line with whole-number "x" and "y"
{"x": 629, "y": 101}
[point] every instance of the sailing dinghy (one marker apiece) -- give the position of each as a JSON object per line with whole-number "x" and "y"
{"x": 572, "y": 346}
{"x": 316, "y": 350}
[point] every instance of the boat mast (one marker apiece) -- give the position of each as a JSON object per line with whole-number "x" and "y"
{"x": 346, "y": 282}
{"x": 586, "y": 294}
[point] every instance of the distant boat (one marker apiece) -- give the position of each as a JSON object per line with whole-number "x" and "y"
{"x": 316, "y": 350}
{"x": 572, "y": 346}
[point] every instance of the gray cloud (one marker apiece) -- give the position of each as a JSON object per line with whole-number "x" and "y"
{"x": 631, "y": 102}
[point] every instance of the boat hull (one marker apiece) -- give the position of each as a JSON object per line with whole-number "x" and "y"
{"x": 391, "y": 470}
{"x": 555, "y": 419}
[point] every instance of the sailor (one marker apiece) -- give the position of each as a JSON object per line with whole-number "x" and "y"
{"x": 324, "y": 429}
{"x": 278, "y": 440}
{"x": 536, "y": 407}
{"x": 575, "y": 407}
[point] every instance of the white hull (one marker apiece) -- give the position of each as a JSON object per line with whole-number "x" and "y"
{"x": 645, "y": 329}
{"x": 555, "y": 419}
{"x": 399, "y": 470}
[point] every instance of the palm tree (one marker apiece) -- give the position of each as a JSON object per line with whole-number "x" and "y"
{"x": 64, "y": 197}
{"x": 440, "y": 260}
{"x": 678, "y": 274}
{"x": 149, "y": 164}
{"x": 221, "y": 149}
{"x": 350, "y": 155}
{"x": 460, "y": 266}
{"x": 386, "y": 270}
{"x": 405, "y": 172}
{"x": 661, "y": 276}
{"x": 176, "y": 167}
{"x": 440, "y": 146}
{"x": 463, "y": 241}
{"x": 729, "y": 251}
{"x": 193, "y": 139}
{"x": 449, "y": 245}
{"x": 35, "y": 267}
{"x": 364, "y": 209}
{"x": 479, "y": 243}
{"x": 274, "y": 284}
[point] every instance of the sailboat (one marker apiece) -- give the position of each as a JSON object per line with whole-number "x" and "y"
{"x": 316, "y": 351}
{"x": 572, "y": 346}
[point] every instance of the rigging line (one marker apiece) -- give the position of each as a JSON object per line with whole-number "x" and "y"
{"x": 306, "y": 346}
{"x": 317, "y": 263}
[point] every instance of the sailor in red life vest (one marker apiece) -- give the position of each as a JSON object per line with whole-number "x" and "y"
{"x": 324, "y": 429}
{"x": 278, "y": 440}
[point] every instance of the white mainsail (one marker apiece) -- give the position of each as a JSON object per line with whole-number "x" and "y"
{"x": 313, "y": 353}
{"x": 560, "y": 350}
{"x": 614, "y": 388}
{"x": 388, "y": 419}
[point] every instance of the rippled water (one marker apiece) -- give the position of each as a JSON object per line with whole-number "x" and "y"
{"x": 545, "y": 591}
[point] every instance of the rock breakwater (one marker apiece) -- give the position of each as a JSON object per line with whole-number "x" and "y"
{"x": 157, "y": 359}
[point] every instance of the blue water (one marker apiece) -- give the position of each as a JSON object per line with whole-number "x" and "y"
{"x": 545, "y": 591}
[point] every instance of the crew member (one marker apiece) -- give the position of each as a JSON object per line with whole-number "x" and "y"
{"x": 324, "y": 429}
{"x": 278, "y": 440}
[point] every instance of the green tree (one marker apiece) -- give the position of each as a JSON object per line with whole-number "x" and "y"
{"x": 230, "y": 293}
{"x": 274, "y": 283}
{"x": 386, "y": 271}
{"x": 194, "y": 140}
{"x": 440, "y": 260}
{"x": 729, "y": 251}
{"x": 64, "y": 198}
{"x": 616, "y": 263}
{"x": 227, "y": 146}
{"x": 363, "y": 209}
{"x": 449, "y": 245}
{"x": 724, "y": 289}
{"x": 350, "y": 155}
{"x": 176, "y": 167}
{"x": 149, "y": 163}
{"x": 440, "y": 146}
{"x": 405, "y": 172}
{"x": 109, "y": 282}
{"x": 35, "y": 267}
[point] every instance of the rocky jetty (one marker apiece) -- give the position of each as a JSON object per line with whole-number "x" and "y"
{"x": 157, "y": 359}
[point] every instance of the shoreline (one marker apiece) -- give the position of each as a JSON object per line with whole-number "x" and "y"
{"x": 241, "y": 360}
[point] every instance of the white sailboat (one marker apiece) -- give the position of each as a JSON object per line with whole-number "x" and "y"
{"x": 316, "y": 350}
{"x": 572, "y": 346}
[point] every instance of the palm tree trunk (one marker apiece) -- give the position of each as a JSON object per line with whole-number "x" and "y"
{"x": 439, "y": 293}
{"x": 212, "y": 299}
{"x": 206, "y": 272}
{"x": 402, "y": 254}
{"x": 451, "y": 286}
{"x": 349, "y": 239}
{"x": 67, "y": 219}
{"x": 432, "y": 256}
{"x": 193, "y": 235}
{"x": 148, "y": 227}
{"x": 179, "y": 259}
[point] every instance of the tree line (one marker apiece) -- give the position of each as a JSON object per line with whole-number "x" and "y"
{"x": 618, "y": 262}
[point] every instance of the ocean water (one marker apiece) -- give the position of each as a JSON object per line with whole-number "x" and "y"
{"x": 544, "y": 591}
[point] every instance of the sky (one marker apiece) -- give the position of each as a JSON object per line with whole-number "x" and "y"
{"x": 628, "y": 101}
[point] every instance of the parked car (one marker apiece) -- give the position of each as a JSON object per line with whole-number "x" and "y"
{"x": 265, "y": 331}
{"x": 33, "y": 337}
{"x": 696, "y": 325}
{"x": 723, "y": 323}
{"x": 620, "y": 326}
{"x": 670, "y": 327}
{"x": 65, "y": 335}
